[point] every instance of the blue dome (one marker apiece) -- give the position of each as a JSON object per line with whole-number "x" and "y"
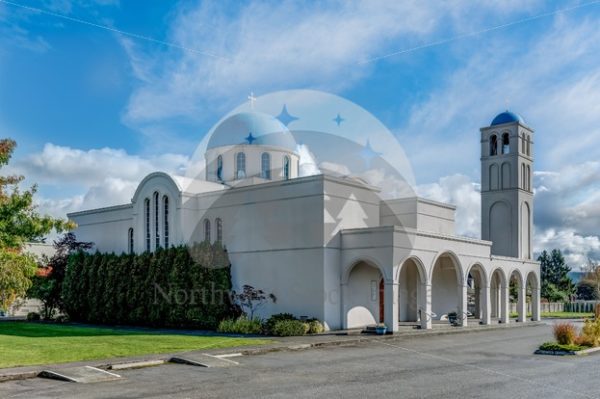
{"x": 252, "y": 128}
{"x": 506, "y": 117}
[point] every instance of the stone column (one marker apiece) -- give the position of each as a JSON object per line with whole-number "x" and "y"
{"x": 505, "y": 304}
{"x": 464, "y": 305}
{"x": 522, "y": 304}
{"x": 343, "y": 315}
{"x": 426, "y": 320}
{"x": 391, "y": 306}
{"x": 535, "y": 304}
{"x": 486, "y": 306}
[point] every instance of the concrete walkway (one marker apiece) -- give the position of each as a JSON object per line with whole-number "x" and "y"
{"x": 349, "y": 337}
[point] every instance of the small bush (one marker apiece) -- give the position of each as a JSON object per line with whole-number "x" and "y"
{"x": 315, "y": 327}
{"x": 33, "y": 316}
{"x": 271, "y": 321}
{"x": 584, "y": 340}
{"x": 565, "y": 333}
{"x": 553, "y": 346}
{"x": 591, "y": 331}
{"x": 241, "y": 325}
{"x": 288, "y": 328}
{"x": 63, "y": 318}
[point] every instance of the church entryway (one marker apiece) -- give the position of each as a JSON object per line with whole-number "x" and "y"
{"x": 363, "y": 296}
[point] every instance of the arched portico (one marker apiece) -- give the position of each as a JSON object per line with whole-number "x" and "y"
{"x": 448, "y": 291}
{"x": 517, "y": 287}
{"x": 363, "y": 296}
{"x": 478, "y": 293}
{"x": 499, "y": 296}
{"x": 412, "y": 281}
{"x": 533, "y": 292}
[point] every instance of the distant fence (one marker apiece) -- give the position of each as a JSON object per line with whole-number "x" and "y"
{"x": 575, "y": 306}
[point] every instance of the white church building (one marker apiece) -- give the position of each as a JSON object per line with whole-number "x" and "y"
{"x": 377, "y": 261}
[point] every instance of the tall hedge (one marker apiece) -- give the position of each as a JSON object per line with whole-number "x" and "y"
{"x": 176, "y": 287}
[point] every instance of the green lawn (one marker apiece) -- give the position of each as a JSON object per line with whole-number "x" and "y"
{"x": 24, "y": 344}
{"x": 567, "y": 315}
{"x": 559, "y": 315}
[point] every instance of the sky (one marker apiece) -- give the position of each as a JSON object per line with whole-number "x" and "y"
{"x": 99, "y": 93}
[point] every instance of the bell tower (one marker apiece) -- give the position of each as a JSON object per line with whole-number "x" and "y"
{"x": 506, "y": 186}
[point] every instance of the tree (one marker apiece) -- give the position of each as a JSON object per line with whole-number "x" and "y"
{"x": 586, "y": 290}
{"x": 556, "y": 284}
{"x": 592, "y": 276}
{"x": 20, "y": 223}
{"x": 251, "y": 299}
{"x": 47, "y": 287}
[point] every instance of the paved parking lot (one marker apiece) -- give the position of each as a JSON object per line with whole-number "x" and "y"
{"x": 491, "y": 364}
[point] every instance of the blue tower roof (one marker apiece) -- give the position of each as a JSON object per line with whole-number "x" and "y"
{"x": 507, "y": 117}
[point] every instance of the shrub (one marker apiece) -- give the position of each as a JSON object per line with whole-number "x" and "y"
{"x": 33, "y": 316}
{"x": 591, "y": 332}
{"x": 565, "y": 333}
{"x": 166, "y": 288}
{"x": 241, "y": 325}
{"x": 584, "y": 340}
{"x": 315, "y": 327}
{"x": 288, "y": 328}
{"x": 271, "y": 321}
{"x": 553, "y": 346}
{"x": 63, "y": 318}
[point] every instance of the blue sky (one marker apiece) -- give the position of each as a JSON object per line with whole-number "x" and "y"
{"x": 94, "y": 110}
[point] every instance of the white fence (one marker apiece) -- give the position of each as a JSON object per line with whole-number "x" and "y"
{"x": 575, "y": 306}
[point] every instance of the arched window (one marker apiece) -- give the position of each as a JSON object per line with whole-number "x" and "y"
{"x": 206, "y": 230}
{"x": 166, "y": 220}
{"x": 528, "y": 145}
{"x": 240, "y": 165}
{"x": 220, "y": 168}
{"x": 493, "y": 145}
{"x": 523, "y": 177}
{"x": 147, "y": 222}
{"x": 219, "y": 224}
{"x": 505, "y": 144}
{"x": 528, "y": 178}
{"x": 130, "y": 240}
{"x": 265, "y": 166}
{"x": 523, "y": 145}
{"x": 156, "y": 221}
{"x": 286, "y": 167}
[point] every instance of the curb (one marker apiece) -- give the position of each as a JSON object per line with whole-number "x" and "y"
{"x": 158, "y": 360}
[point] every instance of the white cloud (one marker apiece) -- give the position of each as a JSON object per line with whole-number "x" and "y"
{"x": 576, "y": 247}
{"x": 99, "y": 177}
{"x": 267, "y": 46}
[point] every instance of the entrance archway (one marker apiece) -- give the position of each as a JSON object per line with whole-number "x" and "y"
{"x": 363, "y": 297}
{"x": 476, "y": 300}
{"x": 446, "y": 286}
{"x": 410, "y": 292}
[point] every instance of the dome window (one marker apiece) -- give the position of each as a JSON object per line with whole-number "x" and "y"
{"x": 265, "y": 166}
{"x": 240, "y": 165}
{"x": 286, "y": 167}
{"x": 220, "y": 168}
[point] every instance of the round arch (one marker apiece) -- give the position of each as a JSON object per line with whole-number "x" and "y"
{"x": 447, "y": 285}
{"x": 362, "y": 259}
{"x": 477, "y": 281}
{"x": 363, "y": 289}
{"x": 412, "y": 278}
{"x": 499, "y": 295}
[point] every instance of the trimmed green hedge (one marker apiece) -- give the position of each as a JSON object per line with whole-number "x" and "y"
{"x": 167, "y": 288}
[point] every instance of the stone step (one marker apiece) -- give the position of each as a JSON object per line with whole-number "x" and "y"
{"x": 203, "y": 360}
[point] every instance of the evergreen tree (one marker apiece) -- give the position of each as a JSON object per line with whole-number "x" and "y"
{"x": 556, "y": 284}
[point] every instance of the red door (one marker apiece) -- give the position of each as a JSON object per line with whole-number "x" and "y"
{"x": 381, "y": 305}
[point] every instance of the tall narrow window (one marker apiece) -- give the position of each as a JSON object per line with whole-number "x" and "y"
{"x": 206, "y": 230}
{"x": 286, "y": 167}
{"x": 240, "y": 165}
{"x": 220, "y": 168}
{"x": 130, "y": 240}
{"x": 265, "y": 166}
{"x": 493, "y": 145}
{"x": 505, "y": 144}
{"x": 528, "y": 145}
{"x": 156, "y": 221}
{"x": 166, "y": 220}
{"x": 219, "y": 224}
{"x": 523, "y": 185}
{"x": 523, "y": 146}
{"x": 528, "y": 178}
{"x": 147, "y": 222}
